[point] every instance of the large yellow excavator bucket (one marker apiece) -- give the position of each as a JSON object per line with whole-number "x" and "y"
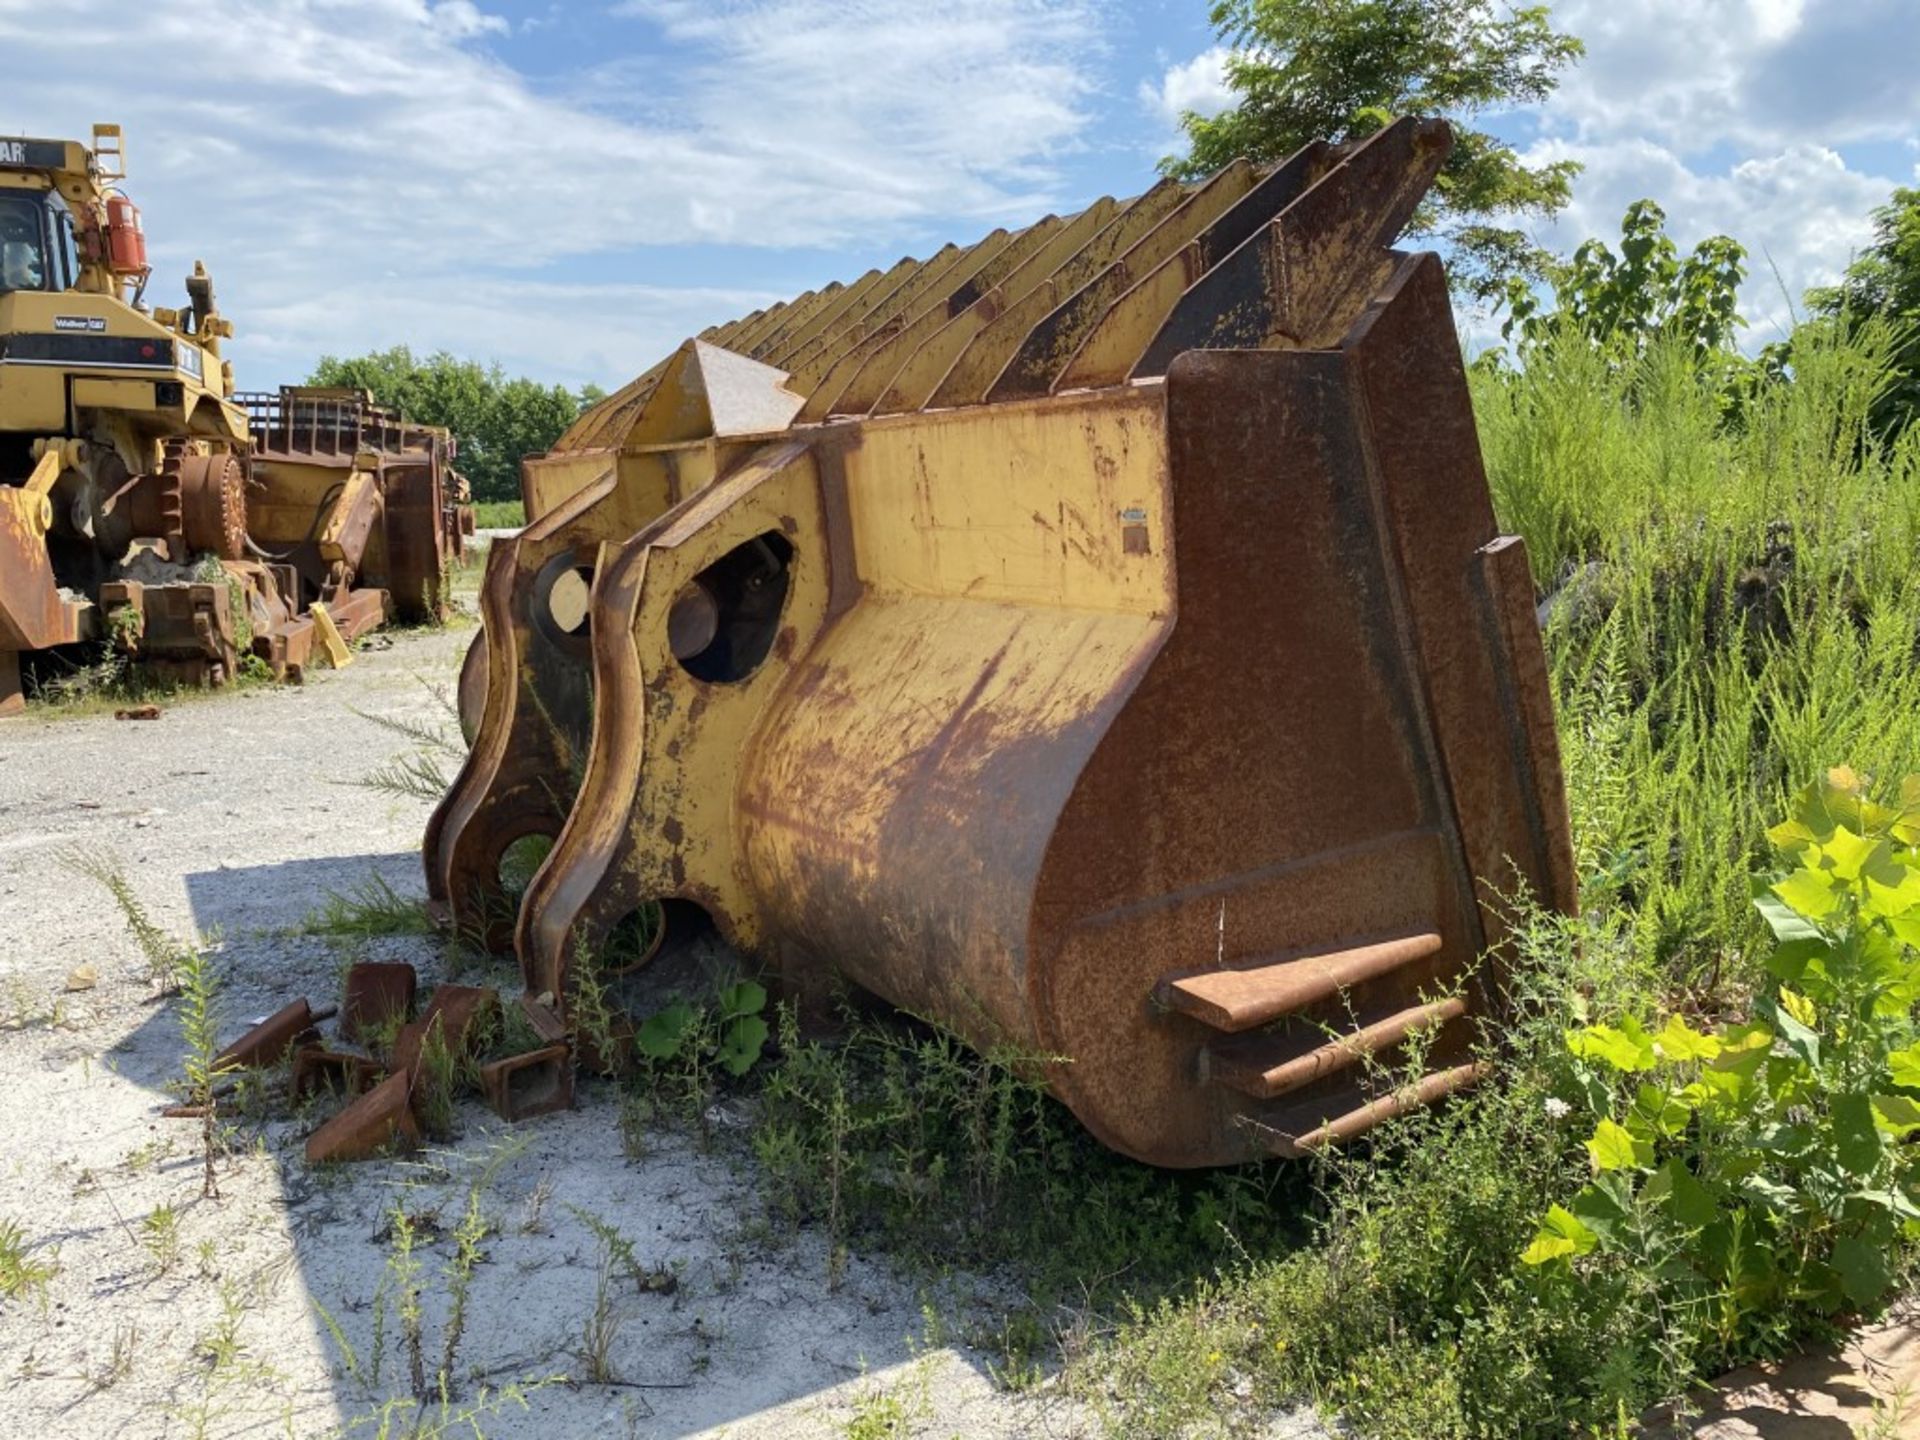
{"x": 1096, "y": 639}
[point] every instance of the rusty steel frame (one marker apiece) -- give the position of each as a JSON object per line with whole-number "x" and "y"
{"x": 1165, "y": 700}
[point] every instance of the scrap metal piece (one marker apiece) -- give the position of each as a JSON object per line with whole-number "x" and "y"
{"x": 455, "y": 1010}
{"x": 535, "y": 1083}
{"x": 316, "y": 1068}
{"x": 379, "y": 994}
{"x": 269, "y": 1042}
{"x": 380, "y": 1119}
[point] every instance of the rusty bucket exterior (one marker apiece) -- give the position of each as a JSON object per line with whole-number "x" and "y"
{"x": 1150, "y": 687}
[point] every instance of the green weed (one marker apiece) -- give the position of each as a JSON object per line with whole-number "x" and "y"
{"x": 22, "y": 1275}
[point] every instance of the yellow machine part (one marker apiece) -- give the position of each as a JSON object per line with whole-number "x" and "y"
{"x": 1186, "y": 723}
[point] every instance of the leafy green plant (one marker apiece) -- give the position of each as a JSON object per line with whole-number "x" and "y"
{"x": 20, "y": 1273}
{"x": 164, "y": 956}
{"x": 200, "y": 1031}
{"x": 686, "y": 1044}
{"x": 1757, "y": 1167}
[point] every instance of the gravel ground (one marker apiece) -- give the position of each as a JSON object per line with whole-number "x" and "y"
{"x": 168, "y": 1314}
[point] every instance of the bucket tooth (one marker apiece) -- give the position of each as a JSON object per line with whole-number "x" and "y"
{"x": 986, "y": 355}
{"x": 1301, "y": 280}
{"x": 845, "y": 305}
{"x": 1113, "y": 347}
{"x": 834, "y": 393}
{"x": 887, "y": 359}
{"x": 862, "y": 309}
{"x": 1248, "y": 996}
{"x": 1050, "y": 343}
{"x": 912, "y": 386}
{"x": 1266, "y": 1066}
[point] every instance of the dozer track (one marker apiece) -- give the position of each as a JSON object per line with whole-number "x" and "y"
{"x": 1096, "y": 639}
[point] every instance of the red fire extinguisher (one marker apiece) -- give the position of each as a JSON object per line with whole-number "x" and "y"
{"x": 126, "y": 243}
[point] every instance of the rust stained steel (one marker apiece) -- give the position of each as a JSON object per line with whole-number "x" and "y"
{"x": 537, "y": 1082}
{"x": 269, "y": 1042}
{"x": 453, "y": 1010}
{"x": 381, "y": 1118}
{"x": 378, "y": 995}
{"x": 1168, "y": 701}
{"x": 317, "y": 1069}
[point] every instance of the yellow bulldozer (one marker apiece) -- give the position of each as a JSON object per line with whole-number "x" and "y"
{"x": 1096, "y": 639}
{"x": 143, "y": 504}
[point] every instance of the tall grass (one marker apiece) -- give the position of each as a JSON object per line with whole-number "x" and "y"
{"x": 1735, "y": 606}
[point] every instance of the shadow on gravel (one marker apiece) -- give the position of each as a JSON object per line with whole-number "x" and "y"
{"x": 242, "y": 901}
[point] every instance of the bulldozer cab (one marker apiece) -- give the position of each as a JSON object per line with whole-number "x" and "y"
{"x": 27, "y": 225}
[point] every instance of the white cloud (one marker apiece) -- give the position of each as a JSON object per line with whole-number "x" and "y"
{"x": 360, "y": 157}
{"x": 1199, "y": 85}
{"x": 462, "y": 19}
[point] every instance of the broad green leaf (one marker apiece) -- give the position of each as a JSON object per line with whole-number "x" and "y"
{"x": 1810, "y": 894}
{"x": 1798, "y": 1006}
{"x": 745, "y": 998}
{"x": 1785, "y": 922}
{"x": 660, "y": 1036}
{"x": 741, "y": 1044}
{"x": 1857, "y": 1142}
{"x": 1678, "y": 1040}
{"x": 1905, "y": 1066}
{"x": 1603, "y": 1206}
{"x": 1625, "y": 1047}
{"x": 1790, "y": 958}
{"x": 1561, "y": 1236}
{"x": 1614, "y": 1147}
{"x": 1907, "y": 927}
{"x": 1798, "y": 1037}
{"x": 1674, "y": 1187}
{"x": 1771, "y": 1193}
{"x": 1896, "y": 894}
{"x": 1846, "y": 853}
{"x": 1657, "y": 1112}
{"x": 1862, "y": 1268}
{"x": 1896, "y": 1114}
{"x": 1906, "y": 826}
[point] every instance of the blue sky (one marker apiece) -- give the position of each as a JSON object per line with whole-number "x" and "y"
{"x": 571, "y": 189}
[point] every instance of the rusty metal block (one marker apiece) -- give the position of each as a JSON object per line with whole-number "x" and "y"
{"x": 455, "y": 1009}
{"x": 1112, "y": 654}
{"x": 316, "y": 1068}
{"x": 269, "y": 1042}
{"x": 535, "y": 1083}
{"x": 378, "y": 993}
{"x": 378, "y": 1119}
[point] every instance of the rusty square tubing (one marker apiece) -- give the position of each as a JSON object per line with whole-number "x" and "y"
{"x": 537, "y": 1082}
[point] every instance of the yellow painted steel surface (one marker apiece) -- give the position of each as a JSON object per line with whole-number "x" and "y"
{"x": 1020, "y": 632}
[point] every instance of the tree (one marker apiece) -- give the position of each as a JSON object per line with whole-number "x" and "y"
{"x": 1623, "y": 302}
{"x": 1341, "y": 69}
{"x": 1884, "y": 281}
{"x": 495, "y": 420}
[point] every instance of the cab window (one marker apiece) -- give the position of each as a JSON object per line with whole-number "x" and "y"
{"x": 23, "y": 242}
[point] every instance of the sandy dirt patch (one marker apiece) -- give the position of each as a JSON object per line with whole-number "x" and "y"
{"x": 171, "y": 1315}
